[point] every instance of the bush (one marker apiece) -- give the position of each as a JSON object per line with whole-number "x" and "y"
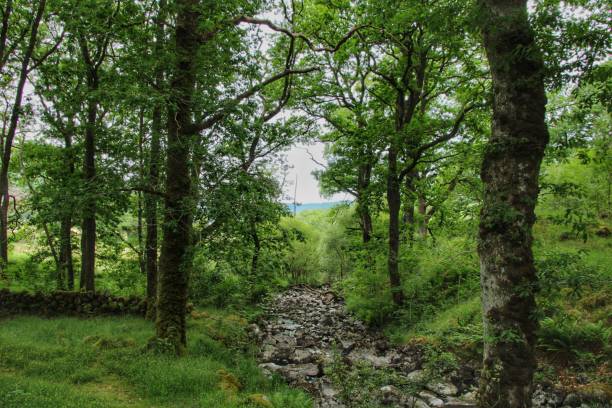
{"x": 574, "y": 338}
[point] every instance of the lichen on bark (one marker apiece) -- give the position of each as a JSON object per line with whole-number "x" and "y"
{"x": 510, "y": 173}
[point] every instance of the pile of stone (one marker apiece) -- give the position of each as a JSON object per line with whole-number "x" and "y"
{"x": 305, "y": 329}
{"x": 69, "y": 303}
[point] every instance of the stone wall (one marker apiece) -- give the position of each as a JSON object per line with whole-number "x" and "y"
{"x": 69, "y": 303}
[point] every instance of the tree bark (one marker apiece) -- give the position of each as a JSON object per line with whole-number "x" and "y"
{"x": 88, "y": 229}
{"x": 175, "y": 258}
{"x": 394, "y": 204}
{"x": 66, "y": 251}
{"x": 256, "y": 249}
{"x": 510, "y": 174}
{"x": 151, "y": 215}
{"x": 409, "y": 219}
{"x": 6, "y": 14}
{"x": 424, "y": 221}
{"x": 363, "y": 207}
{"x": 12, "y": 130}
{"x": 151, "y": 200}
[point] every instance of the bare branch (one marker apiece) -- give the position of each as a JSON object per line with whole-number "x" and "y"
{"x": 274, "y": 27}
{"x": 229, "y": 105}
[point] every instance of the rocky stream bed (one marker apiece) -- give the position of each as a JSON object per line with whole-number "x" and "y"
{"x": 307, "y": 331}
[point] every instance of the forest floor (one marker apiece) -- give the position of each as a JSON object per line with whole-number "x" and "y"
{"x": 101, "y": 362}
{"x": 308, "y": 337}
{"x": 304, "y": 346}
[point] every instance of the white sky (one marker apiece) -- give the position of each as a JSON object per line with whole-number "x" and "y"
{"x": 302, "y": 167}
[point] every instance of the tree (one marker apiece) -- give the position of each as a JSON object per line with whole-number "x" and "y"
{"x": 93, "y": 39}
{"x": 416, "y": 54}
{"x": 154, "y": 163}
{"x": 510, "y": 173}
{"x": 38, "y": 10}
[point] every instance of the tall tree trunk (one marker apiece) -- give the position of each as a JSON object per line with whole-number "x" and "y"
{"x": 424, "y": 221}
{"x": 394, "y": 204}
{"x": 409, "y": 219}
{"x": 66, "y": 221}
{"x": 175, "y": 258}
{"x": 6, "y": 14}
{"x": 510, "y": 174}
{"x": 151, "y": 200}
{"x": 363, "y": 207}
{"x": 256, "y": 249}
{"x": 88, "y": 233}
{"x": 140, "y": 197}
{"x": 151, "y": 214}
{"x": 66, "y": 251}
{"x": 12, "y": 130}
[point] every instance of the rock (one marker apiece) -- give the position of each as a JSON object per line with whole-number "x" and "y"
{"x": 369, "y": 356}
{"x": 457, "y": 403}
{"x": 546, "y": 398}
{"x": 270, "y": 368}
{"x": 301, "y": 356}
{"x": 469, "y": 396}
{"x": 281, "y": 355}
{"x": 307, "y": 330}
{"x": 431, "y": 399}
{"x": 416, "y": 376}
{"x": 254, "y": 331}
{"x": 299, "y": 371}
{"x": 283, "y": 340}
{"x": 347, "y": 346}
{"x": 390, "y": 395}
{"x": 267, "y": 354}
{"x": 572, "y": 400}
{"x": 306, "y": 341}
{"x": 442, "y": 388}
{"x": 327, "y": 391}
{"x": 413, "y": 402}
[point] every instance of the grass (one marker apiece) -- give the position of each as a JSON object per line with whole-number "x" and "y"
{"x": 101, "y": 362}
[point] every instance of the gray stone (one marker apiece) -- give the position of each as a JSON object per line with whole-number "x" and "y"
{"x": 457, "y": 403}
{"x": 267, "y": 353}
{"x": 572, "y": 400}
{"x": 254, "y": 331}
{"x": 442, "y": 388}
{"x": 413, "y": 402}
{"x": 301, "y": 356}
{"x": 327, "y": 391}
{"x": 390, "y": 395}
{"x": 300, "y": 371}
{"x": 416, "y": 376}
{"x": 431, "y": 399}
{"x": 369, "y": 356}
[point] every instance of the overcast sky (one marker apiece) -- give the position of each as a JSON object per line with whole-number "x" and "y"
{"x": 303, "y": 166}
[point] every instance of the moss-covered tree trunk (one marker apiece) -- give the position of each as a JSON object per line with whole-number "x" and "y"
{"x": 151, "y": 200}
{"x": 394, "y": 202}
{"x": 423, "y": 216}
{"x": 88, "y": 227}
{"x": 510, "y": 174}
{"x": 363, "y": 205}
{"x": 66, "y": 261}
{"x": 175, "y": 258}
{"x": 65, "y": 256}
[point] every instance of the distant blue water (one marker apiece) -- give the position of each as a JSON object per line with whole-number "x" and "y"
{"x": 313, "y": 206}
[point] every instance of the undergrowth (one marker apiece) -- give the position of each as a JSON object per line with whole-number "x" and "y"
{"x": 103, "y": 362}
